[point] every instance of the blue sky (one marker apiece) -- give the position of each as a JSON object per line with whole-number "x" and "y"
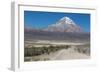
{"x": 40, "y": 20}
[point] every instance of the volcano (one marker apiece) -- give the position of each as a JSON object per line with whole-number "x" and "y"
{"x": 65, "y": 24}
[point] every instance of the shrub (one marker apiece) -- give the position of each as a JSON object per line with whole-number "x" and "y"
{"x": 34, "y": 51}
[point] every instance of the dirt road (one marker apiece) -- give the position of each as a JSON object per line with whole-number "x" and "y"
{"x": 68, "y": 54}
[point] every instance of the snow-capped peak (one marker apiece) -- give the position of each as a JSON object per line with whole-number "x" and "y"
{"x": 65, "y": 24}
{"x": 66, "y": 20}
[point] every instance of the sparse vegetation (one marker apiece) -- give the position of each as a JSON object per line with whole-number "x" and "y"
{"x": 35, "y": 51}
{"x": 85, "y": 49}
{"x": 44, "y": 52}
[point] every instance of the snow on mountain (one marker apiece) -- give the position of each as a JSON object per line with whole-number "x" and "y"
{"x": 65, "y": 24}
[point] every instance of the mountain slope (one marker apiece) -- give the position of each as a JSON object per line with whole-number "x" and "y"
{"x": 65, "y": 24}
